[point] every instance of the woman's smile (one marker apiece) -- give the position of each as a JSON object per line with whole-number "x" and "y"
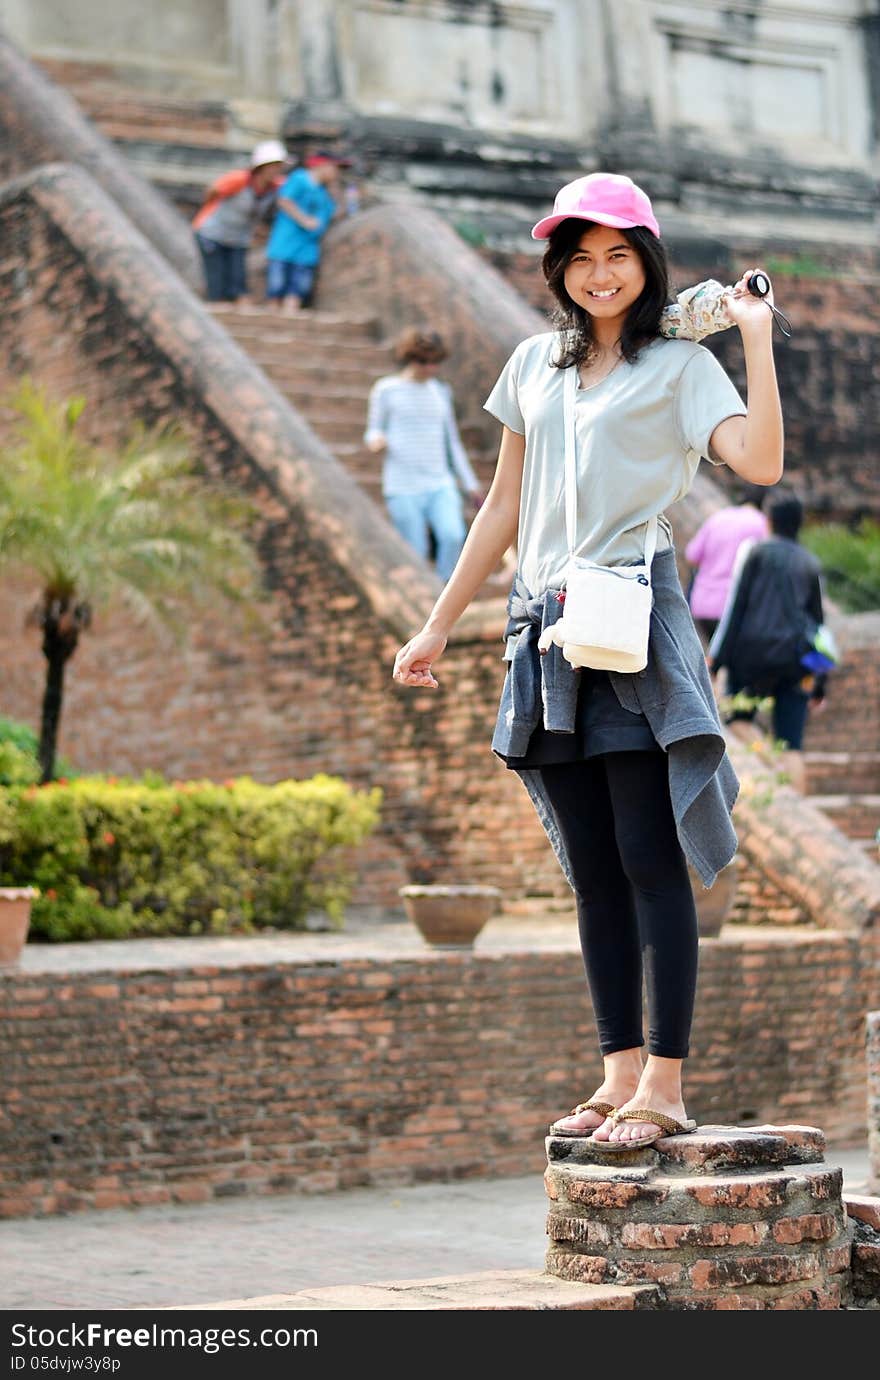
{"x": 604, "y": 275}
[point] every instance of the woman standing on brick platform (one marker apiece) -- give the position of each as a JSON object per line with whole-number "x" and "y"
{"x": 628, "y": 772}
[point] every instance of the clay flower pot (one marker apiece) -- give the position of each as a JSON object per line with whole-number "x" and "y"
{"x": 715, "y": 905}
{"x": 15, "y": 916}
{"x": 450, "y": 917}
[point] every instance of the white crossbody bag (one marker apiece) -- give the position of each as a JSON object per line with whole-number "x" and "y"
{"x": 607, "y": 615}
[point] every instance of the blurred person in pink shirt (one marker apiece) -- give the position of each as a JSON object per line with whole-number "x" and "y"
{"x": 713, "y": 552}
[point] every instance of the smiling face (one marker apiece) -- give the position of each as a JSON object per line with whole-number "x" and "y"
{"x": 604, "y": 274}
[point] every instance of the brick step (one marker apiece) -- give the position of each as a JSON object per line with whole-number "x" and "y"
{"x": 312, "y": 326}
{"x": 494, "y": 1290}
{"x": 319, "y": 353}
{"x": 331, "y": 429}
{"x": 336, "y": 408}
{"x": 843, "y": 773}
{"x": 334, "y": 377}
{"x": 856, "y": 815}
{"x": 313, "y": 363}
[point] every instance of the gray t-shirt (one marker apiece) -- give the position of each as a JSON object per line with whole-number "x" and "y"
{"x": 640, "y": 434}
{"x": 232, "y": 220}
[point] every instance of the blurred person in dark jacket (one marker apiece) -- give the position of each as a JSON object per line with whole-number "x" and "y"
{"x": 772, "y": 611}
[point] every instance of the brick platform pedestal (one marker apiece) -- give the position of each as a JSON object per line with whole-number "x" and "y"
{"x": 721, "y": 1219}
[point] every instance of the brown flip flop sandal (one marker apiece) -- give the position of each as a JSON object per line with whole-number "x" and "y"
{"x": 603, "y": 1109}
{"x": 668, "y": 1127}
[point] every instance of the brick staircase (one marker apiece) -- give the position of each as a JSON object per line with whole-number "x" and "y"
{"x": 325, "y": 364}
{"x": 846, "y": 786}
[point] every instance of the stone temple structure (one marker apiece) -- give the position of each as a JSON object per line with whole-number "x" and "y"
{"x": 482, "y": 107}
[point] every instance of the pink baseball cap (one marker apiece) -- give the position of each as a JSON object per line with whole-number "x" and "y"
{"x": 606, "y": 198}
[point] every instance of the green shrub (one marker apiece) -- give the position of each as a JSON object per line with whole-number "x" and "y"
{"x": 19, "y": 761}
{"x": 17, "y": 767}
{"x": 116, "y": 857}
{"x": 850, "y": 562}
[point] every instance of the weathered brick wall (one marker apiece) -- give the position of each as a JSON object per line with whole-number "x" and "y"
{"x": 850, "y": 721}
{"x": 760, "y": 902}
{"x": 179, "y": 1084}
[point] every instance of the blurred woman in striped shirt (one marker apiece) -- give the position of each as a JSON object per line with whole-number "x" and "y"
{"x": 411, "y": 423}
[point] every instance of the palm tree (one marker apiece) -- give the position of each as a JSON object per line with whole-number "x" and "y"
{"x": 136, "y": 529}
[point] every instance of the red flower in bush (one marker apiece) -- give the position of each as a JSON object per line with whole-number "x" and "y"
{"x": 51, "y": 894}
{"x": 109, "y": 838}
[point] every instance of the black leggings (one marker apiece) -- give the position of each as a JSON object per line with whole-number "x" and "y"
{"x": 635, "y": 905}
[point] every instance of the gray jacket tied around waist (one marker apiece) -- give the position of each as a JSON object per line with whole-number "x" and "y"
{"x": 674, "y": 693}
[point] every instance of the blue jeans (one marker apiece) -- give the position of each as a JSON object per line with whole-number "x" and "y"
{"x": 790, "y": 706}
{"x": 285, "y": 279}
{"x": 438, "y": 513}
{"x": 224, "y": 267}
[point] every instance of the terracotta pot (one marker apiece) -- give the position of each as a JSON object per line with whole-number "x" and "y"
{"x": 714, "y": 906}
{"x": 450, "y": 917}
{"x": 15, "y": 916}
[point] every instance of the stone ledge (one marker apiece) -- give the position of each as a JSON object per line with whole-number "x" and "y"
{"x": 863, "y": 1209}
{"x": 705, "y": 1150}
{"x": 492, "y": 1291}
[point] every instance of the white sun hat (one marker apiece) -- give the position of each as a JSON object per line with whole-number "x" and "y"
{"x": 270, "y": 151}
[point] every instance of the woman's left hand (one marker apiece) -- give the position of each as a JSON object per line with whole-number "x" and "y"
{"x": 746, "y": 310}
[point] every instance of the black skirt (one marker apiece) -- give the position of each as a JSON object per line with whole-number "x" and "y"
{"x": 601, "y": 725}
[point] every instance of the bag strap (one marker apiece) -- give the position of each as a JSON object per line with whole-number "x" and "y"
{"x": 569, "y": 395}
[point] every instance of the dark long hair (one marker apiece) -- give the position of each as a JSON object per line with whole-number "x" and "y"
{"x": 642, "y": 322}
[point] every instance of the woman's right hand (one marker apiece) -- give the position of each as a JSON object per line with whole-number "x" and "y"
{"x": 412, "y": 665}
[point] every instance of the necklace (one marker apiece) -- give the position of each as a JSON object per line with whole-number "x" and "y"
{"x": 585, "y": 383}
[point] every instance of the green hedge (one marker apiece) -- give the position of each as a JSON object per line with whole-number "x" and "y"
{"x": 851, "y": 562}
{"x": 114, "y": 858}
{"x": 18, "y": 755}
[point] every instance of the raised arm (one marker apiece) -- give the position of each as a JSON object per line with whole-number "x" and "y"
{"x": 753, "y": 445}
{"x": 492, "y": 532}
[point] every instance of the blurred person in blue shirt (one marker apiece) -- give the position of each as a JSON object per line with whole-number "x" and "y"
{"x": 307, "y": 203}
